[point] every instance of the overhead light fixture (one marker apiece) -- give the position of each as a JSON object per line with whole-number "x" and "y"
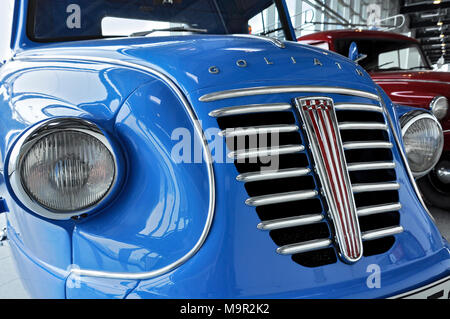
{"x": 436, "y": 1}
{"x": 440, "y": 23}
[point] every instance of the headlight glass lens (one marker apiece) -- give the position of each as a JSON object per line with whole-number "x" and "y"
{"x": 439, "y": 107}
{"x": 423, "y": 140}
{"x": 67, "y": 171}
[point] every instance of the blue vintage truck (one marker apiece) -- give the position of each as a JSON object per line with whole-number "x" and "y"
{"x": 191, "y": 159}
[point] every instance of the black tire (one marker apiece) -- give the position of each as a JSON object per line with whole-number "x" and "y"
{"x": 434, "y": 192}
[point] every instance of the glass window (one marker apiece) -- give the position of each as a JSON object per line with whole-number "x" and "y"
{"x": 61, "y": 20}
{"x": 405, "y": 59}
{"x": 6, "y": 16}
{"x": 112, "y": 26}
{"x": 386, "y": 54}
{"x": 266, "y": 23}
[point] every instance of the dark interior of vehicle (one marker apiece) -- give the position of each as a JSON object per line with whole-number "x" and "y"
{"x": 48, "y": 18}
{"x": 373, "y": 48}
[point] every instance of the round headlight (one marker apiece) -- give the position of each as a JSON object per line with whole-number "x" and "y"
{"x": 439, "y": 107}
{"x": 63, "y": 168}
{"x": 423, "y": 140}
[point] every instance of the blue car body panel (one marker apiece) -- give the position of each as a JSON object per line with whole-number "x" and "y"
{"x": 165, "y": 205}
{"x": 161, "y": 207}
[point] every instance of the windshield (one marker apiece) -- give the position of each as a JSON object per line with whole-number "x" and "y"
{"x": 386, "y": 55}
{"x": 61, "y": 20}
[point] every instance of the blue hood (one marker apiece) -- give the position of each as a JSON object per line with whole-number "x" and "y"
{"x": 187, "y": 60}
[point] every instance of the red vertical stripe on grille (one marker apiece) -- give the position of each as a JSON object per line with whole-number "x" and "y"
{"x": 319, "y": 116}
{"x": 338, "y": 180}
{"x": 331, "y": 173}
{"x": 349, "y": 215}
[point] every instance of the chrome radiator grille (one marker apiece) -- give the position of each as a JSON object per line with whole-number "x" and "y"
{"x": 289, "y": 200}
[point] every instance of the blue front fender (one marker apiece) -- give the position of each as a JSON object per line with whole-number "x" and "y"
{"x": 163, "y": 207}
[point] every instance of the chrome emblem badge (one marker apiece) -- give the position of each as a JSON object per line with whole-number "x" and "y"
{"x": 322, "y": 130}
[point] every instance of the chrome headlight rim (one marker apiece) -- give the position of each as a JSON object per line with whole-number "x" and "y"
{"x": 35, "y": 134}
{"x": 434, "y": 104}
{"x": 409, "y": 119}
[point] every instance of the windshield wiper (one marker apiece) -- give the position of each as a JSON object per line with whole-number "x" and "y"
{"x": 419, "y": 67}
{"x": 174, "y": 29}
{"x": 384, "y": 64}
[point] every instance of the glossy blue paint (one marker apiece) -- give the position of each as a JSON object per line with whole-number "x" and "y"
{"x": 402, "y": 110}
{"x": 165, "y": 205}
{"x": 39, "y": 95}
{"x": 169, "y": 55}
{"x": 353, "y": 53}
{"x": 91, "y": 288}
{"x": 41, "y": 278}
{"x": 239, "y": 250}
{"x": 160, "y": 209}
{"x": 3, "y": 206}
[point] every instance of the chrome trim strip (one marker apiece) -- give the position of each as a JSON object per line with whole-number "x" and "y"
{"x": 362, "y": 126}
{"x": 274, "y": 41}
{"x": 262, "y": 152}
{"x": 354, "y": 167}
{"x": 412, "y": 294}
{"x": 281, "y": 198}
{"x": 290, "y": 222}
{"x": 304, "y": 247}
{"x": 403, "y": 156}
{"x": 366, "y": 145}
{"x": 381, "y": 233}
{"x": 375, "y": 187}
{"x": 262, "y": 90}
{"x": 247, "y": 109}
{"x": 266, "y": 129}
{"x": 207, "y": 152}
{"x": 372, "y": 210}
{"x": 268, "y": 175}
{"x": 358, "y": 107}
{"x": 410, "y": 80}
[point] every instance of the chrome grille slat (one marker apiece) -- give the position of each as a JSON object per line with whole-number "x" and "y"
{"x": 268, "y": 175}
{"x": 367, "y": 145}
{"x": 354, "y": 167}
{"x": 263, "y": 152}
{"x": 376, "y": 175}
{"x": 362, "y": 126}
{"x": 358, "y": 107}
{"x": 263, "y": 90}
{"x": 378, "y": 209}
{"x": 290, "y": 222}
{"x": 248, "y": 109}
{"x": 304, "y": 247}
{"x": 375, "y": 187}
{"x": 381, "y": 233}
{"x": 267, "y": 129}
{"x": 281, "y": 198}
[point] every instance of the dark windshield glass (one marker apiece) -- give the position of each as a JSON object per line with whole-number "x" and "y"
{"x": 385, "y": 54}
{"x": 51, "y": 20}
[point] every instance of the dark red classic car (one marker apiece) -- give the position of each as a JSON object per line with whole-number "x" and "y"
{"x": 398, "y": 64}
